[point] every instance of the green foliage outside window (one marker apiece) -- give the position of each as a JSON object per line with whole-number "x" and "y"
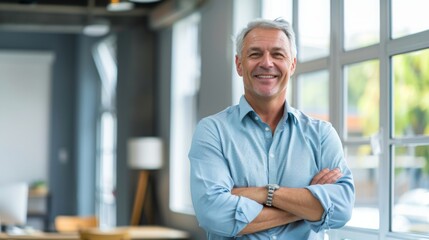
{"x": 411, "y": 98}
{"x": 364, "y": 96}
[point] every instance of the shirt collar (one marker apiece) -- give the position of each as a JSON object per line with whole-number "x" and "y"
{"x": 245, "y": 109}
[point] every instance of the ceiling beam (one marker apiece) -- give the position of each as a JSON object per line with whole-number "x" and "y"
{"x": 71, "y": 10}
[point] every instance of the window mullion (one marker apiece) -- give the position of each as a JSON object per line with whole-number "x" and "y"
{"x": 408, "y": 43}
{"x": 359, "y": 55}
{"x": 295, "y": 6}
{"x": 336, "y": 106}
{"x": 385, "y": 169}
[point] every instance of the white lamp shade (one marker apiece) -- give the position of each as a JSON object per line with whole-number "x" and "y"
{"x": 145, "y": 153}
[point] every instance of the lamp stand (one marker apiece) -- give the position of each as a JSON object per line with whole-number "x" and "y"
{"x": 140, "y": 197}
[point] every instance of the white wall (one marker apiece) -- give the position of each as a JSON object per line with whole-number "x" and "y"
{"x": 25, "y": 79}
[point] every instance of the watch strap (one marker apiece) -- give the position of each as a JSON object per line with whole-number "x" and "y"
{"x": 271, "y": 189}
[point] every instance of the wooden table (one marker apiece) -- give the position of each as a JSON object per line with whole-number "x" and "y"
{"x": 41, "y": 235}
{"x": 136, "y": 233}
{"x": 154, "y": 232}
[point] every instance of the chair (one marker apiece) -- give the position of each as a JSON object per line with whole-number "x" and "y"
{"x": 94, "y": 234}
{"x": 75, "y": 223}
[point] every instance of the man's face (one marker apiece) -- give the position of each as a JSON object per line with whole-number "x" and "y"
{"x": 266, "y": 63}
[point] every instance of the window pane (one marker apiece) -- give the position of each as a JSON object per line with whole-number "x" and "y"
{"x": 365, "y": 173}
{"x": 313, "y": 94}
{"x": 106, "y": 182}
{"x": 363, "y": 95}
{"x": 313, "y": 21}
{"x": 411, "y": 189}
{"x": 361, "y": 31}
{"x": 272, "y": 9}
{"x": 185, "y": 84}
{"x": 409, "y": 17}
{"x": 411, "y": 93}
{"x": 289, "y": 92}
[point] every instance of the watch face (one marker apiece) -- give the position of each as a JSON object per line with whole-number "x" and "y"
{"x": 273, "y": 186}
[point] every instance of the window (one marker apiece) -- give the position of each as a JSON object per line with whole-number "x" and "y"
{"x": 409, "y": 17}
{"x": 313, "y": 27}
{"x": 410, "y": 148}
{"x": 272, "y": 9}
{"x": 362, "y": 97}
{"x": 313, "y": 94}
{"x": 411, "y": 189}
{"x": 410, "y": 89}
{"x": 364, "y": 166}
{"x": 361, "y": 31}
{"x": 184, "y": 92}
{"x": 361, "y": 121}
{"x": 104, "y": 54}
{"x": 106, "y": 171}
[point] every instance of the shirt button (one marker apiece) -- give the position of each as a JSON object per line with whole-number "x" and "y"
{"x": 256, "y": 118}
{"x": 274, "y": 237}
{"x": 267, "y": 129}
{"x": 271, "y": 155}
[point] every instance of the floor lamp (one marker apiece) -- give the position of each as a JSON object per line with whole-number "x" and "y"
{"x": 144, "y": 154}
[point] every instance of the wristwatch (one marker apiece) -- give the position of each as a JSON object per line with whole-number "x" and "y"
{"x": 271, "y": 189}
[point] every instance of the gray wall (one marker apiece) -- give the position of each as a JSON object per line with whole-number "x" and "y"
{"x": 87, "y": 113}
{"x": 75, "y": 110}
{"x": 216, "y": 57}
{"x": 62, "y": 130}
{"x": 136, "y": 106}
{"x": 73, "y": 115}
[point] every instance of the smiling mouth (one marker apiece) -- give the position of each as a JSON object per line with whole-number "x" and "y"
{"x": 265, "y": 76}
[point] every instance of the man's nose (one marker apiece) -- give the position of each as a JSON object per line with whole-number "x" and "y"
{"x": 267, "y": 61}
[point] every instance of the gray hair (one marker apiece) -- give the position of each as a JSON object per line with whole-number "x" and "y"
{"x": 278, "y": 23}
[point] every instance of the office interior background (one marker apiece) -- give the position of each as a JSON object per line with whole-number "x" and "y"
{"x": 69, "y": 102}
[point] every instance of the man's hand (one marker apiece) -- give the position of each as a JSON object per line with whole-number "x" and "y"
{"x": 327, "y": 176}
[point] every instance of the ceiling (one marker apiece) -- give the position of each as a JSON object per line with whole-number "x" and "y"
{"x": 69, "y": 15}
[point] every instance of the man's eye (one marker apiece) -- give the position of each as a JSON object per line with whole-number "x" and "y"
{"x": 278, "y": 55}
{"x": 254, "y": 55}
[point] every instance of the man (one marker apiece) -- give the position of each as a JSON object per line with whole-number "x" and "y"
{"x": 262, "y": 169}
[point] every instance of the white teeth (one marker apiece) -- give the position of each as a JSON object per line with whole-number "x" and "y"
{"x": 266, "y": 76}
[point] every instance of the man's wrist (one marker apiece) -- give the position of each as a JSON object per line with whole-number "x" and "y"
{"x": 270, "y": 195}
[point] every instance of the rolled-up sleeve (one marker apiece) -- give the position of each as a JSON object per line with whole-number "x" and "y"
{"x": 217, "y": 210}
{"x": 337, "y": 199}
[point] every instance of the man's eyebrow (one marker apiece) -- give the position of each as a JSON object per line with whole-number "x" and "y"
{"x": 279, "y": 49}
{"x": 253, "y": 49}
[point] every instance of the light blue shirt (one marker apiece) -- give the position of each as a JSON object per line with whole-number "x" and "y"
{"x": 234, "y": 148}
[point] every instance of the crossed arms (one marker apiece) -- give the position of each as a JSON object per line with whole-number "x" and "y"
{"x": 289, "y": 204}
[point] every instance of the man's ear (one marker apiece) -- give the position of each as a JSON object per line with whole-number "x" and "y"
{"x": 293, "y": 66}
{"x": 238, "y": 65}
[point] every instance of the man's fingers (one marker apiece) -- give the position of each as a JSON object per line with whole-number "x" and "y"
{"x": 327, "y": 176}
{"x": 331, "y": 177}
{"x": 318, "y": 176}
